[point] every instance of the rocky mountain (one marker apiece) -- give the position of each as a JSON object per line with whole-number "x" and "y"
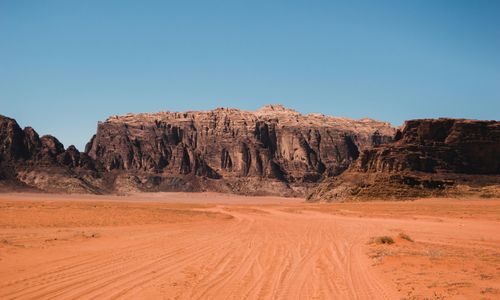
{"x": 429, "y": 157}
{"x": 273, "y": 150}
{"x": 33, "y": 162}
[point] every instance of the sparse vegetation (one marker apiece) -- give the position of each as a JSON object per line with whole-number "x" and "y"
{"x": 405, "y": 236}
{"x": 382, "y": 240}
{"x": 490, "y": 290}
{"x": 90, "y": 234}
{"x": 380, "y": 253}
{"x": 485, "y": 276}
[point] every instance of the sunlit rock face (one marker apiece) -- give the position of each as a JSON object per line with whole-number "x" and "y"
{"x": 273, "y": 150}
{"x": 231, "y": 145}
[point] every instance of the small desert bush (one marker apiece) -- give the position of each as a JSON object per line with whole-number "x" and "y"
{"x": 490, "y": 290}
{"x": 404, "y": 236}
{"x": 382, "y": 240}
{"x": 380, "y": 253}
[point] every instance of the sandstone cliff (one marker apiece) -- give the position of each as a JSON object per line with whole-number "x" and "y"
{"x": 273, "y": 150}
{"x": 30, "y": 161}
{"x": 429, "y": 157}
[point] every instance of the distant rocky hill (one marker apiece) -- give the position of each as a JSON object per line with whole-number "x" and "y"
{"x": 273, "y": 150}
{"x": 28, "y": 161}
{"x": 429, "y": 157}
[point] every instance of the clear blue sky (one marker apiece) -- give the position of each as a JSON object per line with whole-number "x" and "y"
{"x": 64, "y": 65}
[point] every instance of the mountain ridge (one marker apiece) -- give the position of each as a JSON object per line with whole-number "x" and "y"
{"x": 428, "y": 158}
{"x": 273, "y": 150}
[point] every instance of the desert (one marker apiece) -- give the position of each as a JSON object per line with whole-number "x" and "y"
{"x": 250, "y": 150}
{"x": 222, "y": 246}
{"x": 265, "y": 204}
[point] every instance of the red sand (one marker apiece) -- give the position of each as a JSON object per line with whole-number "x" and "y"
{"x": 213, "y": 246}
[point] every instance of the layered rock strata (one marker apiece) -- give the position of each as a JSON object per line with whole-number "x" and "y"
{"x": 429, "y": 157}
{"x": 273, "y": 150}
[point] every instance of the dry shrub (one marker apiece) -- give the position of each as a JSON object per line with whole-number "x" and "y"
{"x": 404, "y": 236}
{"x": 490, "y": 290}
{"x": 382, "y": 240}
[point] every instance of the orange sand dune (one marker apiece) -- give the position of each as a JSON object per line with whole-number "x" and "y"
{"x": 212, "y": 246}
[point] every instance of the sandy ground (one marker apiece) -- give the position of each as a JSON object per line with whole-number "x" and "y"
{"x": 213, "y": 246}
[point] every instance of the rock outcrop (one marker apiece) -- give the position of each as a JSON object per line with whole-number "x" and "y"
{"x": 429, "y": 157}
{"x": 28, "y": 161}
{"x": 273, "y": 150}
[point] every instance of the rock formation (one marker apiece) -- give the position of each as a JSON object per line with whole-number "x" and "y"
{"x": 429, "y": 157}
{"x": 30, "y": 161}
{"x": 273, "y": 150}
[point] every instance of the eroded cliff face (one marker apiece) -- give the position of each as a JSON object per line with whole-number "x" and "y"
{"x": 230, "y": 149}
{"x": 30, "y": 161}
{"x": 429, "y": 157}
{"x": 443, "y": 145}
{"x": 25, "y": 146}
{"x": 270, "y": 151}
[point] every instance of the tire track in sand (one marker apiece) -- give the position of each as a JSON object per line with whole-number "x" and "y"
{"x": 274, "y": 255}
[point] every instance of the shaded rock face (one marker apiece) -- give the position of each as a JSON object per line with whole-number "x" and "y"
{"x": 23, "y": 152}
{"x": 429, "y": 157}
{"x": 229, "y": 145}
{"x": 20, "y": 146}
{"x": 443, "y": 145}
